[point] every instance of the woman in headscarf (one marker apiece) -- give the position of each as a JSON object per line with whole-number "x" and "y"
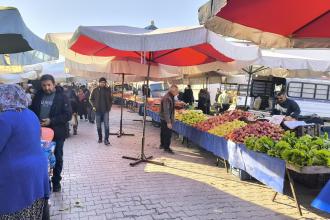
{"x": 24, "y": 181}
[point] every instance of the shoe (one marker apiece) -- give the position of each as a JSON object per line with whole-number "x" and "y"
{"x": 75, "y": 133}
{"x": 169, "y": 150}
{"x": 86, "y": 119}
{"x": 99, "y": 141}
{"x": 92, "y": 122}
{"x": 57, "y": 187}
{"x": 161, "y": 147}
{"x": 106, "y": 142}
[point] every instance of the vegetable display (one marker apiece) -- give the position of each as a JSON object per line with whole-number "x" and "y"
{"x": 221, "y": 119}
{"x": 262, "y": 136}
{"x": 302, "y": 151}
{"x": 258, "y": 129}
{"x": 227, "y": 128}
{"x": 191, "y": 117}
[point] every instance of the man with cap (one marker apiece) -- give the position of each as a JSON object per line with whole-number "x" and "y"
{"x": 101, "y": 101}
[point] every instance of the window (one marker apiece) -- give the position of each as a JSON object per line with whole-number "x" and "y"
{"x": 321, "y": 92}
{"x": 294, "y": 89}
{"x": 309, "y": 91}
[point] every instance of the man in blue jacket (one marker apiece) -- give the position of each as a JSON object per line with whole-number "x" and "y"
{"x": 54, "y": 111}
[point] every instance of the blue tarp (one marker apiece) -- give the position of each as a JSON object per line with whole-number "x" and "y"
{"x": 322, "y": 201}
{"x": 266, "y": 169}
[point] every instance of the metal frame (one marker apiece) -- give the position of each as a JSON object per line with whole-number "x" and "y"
{"x": 120, "y": 132}
{"x": 293, "y": 191}
{"x": 143, "y": 158}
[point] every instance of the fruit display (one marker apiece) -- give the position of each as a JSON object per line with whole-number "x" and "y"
{"x": 302, "y": 151}
{"x": 227, "y": 128}
{"x": 191, "y": 117}
{"x": 221, "y": 119}
{"x": 257, "y": 129}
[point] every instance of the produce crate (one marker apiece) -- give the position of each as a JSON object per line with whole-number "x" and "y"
{"x": 310, "y": 129}
{"x": 241, "y": 174}
{"x": 314, "y": 177}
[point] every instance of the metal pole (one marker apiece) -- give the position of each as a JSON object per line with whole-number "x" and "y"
{"x": 145, "y": 105}
{"x": 120, "y": 132}
{"x": 121, "y": 106}
{"x": 248, "y": 86}
{"x": 143, "y": 158}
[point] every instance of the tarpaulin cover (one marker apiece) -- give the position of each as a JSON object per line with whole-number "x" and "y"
{"x": 322, "y": 201}
{"x": 266, "y": 169}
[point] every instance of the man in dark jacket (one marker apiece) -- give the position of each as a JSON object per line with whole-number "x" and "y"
{"x": 188, "y": 95}
{"x": 54, "y": 111}
{"x": 167, "y": 118}
{"x": 101, "y": 101}
{"x": 285, "y": 106}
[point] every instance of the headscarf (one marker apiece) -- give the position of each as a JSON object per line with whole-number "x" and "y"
{"x": 12, "y": 97}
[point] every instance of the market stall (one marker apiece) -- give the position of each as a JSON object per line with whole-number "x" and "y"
{"x": 261, "y": 148}
{"x": 148, "y": 46}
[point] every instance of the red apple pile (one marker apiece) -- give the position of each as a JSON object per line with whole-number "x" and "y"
{"x": 258, "y": 129}
{"x": 228, "y": 116}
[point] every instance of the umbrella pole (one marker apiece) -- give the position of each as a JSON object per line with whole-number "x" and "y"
{"x": 248, "y": 86}
{"x": 120, "y": 132}
{"x": 143, "y": 158}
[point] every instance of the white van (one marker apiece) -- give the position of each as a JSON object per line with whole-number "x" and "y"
{"x": 312, "y": 95}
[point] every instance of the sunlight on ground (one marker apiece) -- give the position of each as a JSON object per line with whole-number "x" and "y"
{"x": 219, "y": 179}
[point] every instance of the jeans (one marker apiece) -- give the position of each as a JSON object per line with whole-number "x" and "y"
{"x": 102, "y": 117}
{"x": 59, "y": 161}
{"x": 165, "y": 135}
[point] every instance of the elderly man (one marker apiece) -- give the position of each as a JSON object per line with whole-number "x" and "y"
{"x": 167, "y": 112}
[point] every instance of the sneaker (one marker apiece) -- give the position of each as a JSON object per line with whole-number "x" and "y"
{"x": 99, "y": 141}
{"x": 106, "y": 142}
{"x": 169, "y": 150}
{"x": 161, "y": 147}
{"x": 57, "y": 187}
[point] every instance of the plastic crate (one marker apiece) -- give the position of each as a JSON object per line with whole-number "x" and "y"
{"x": 241, "y": 174}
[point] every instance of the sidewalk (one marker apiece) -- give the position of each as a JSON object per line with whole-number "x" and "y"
{"x": 99, "y": 184}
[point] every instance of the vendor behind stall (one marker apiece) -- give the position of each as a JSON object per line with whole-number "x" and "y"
{"x": 285, "y": 106}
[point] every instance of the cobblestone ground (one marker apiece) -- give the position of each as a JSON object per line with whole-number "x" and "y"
{"x": 99, "y": 184}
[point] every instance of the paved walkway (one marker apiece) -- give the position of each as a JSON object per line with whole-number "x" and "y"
{"x": 99, "y": 184}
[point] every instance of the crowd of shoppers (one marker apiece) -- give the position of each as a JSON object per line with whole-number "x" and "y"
{"x": 25, "y": 186}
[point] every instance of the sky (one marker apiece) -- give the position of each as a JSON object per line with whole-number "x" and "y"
{"x": 51, "y": 16}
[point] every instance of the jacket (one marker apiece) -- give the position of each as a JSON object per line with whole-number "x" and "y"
{"x": 167, "y": 108}
{"x": 23, "y": 165}
{"x": 60, "y": 112}
{"x": 287, "y": 108}
{"x": 95, "y": 100}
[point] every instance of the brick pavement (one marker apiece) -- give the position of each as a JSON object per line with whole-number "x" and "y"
{"x": 99, "y": 184}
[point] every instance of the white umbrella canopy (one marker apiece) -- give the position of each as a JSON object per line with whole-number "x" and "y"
{"x": 139, "y": 39}
{"x": 18, "y": 77}
{"x": 296, "y": 59}
{"x": 102, "y": 64}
